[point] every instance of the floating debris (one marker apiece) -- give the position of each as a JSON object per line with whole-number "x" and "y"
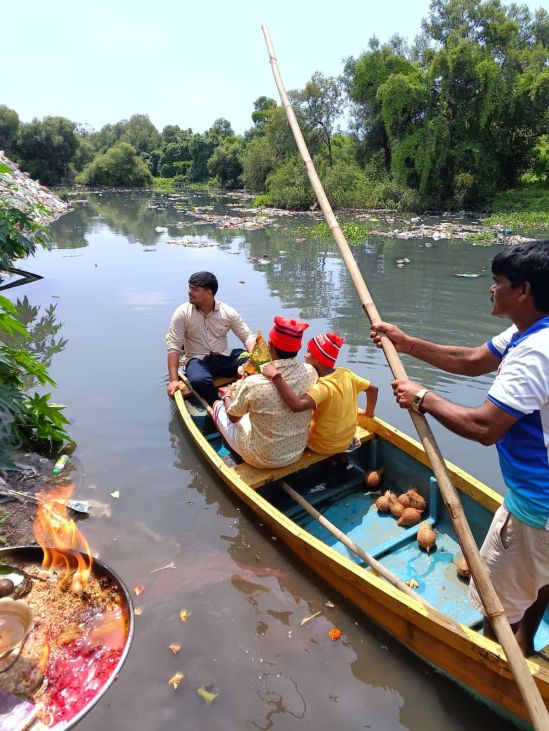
{"x": 191, "y": 243}
{"x": 208, "y": 693}
{"x": 308, "y": 619}
{"x": 170, "y": 565}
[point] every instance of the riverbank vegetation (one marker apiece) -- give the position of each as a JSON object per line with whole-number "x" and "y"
{"x": 457, "y": 120}
{"x": 25, "y": 419}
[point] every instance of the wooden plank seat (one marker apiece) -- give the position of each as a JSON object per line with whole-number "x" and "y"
{"x": 256, "y": 478}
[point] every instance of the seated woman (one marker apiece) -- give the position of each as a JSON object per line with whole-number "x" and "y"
{"x": 333, "y": 398}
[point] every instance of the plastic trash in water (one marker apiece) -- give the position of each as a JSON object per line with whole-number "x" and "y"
{"x": 60, "y": 465}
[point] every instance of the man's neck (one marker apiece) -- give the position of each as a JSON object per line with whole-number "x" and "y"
{"x": 527, "y": 320}
{"x": 206, "y": 309}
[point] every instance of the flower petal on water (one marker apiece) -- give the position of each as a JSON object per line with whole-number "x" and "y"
{"x": 175, "y": 680}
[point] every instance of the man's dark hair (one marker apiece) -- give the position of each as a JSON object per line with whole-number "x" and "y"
{"x": 284, "y": 354}
{"x": 526, "y": 263}
{"x": 204, "y": 279}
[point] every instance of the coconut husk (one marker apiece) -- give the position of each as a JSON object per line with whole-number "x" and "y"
{"x": 426, "y": 536}
{"x": 416, "y": 500}
{"x": 410, "y": 516}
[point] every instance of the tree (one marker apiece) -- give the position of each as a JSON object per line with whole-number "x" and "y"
{"x": 459, "y": 118}
{"x": 224, "y": 165}
{"x": 321, "y": 103}
{"x": 119, "y": 166}
{"x": 9, "y": 127}
{"x": 262, "y": 106}
{"x": 140, "y": 133}
{"x": 46, "y": 148}
{"x": 220, "y": 130}
{"x": 258, "y": 160}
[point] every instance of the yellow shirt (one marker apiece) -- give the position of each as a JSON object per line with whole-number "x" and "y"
{"x": 334, "y": 419}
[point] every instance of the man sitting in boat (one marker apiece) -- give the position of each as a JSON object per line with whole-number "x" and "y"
{"x": 515, "y": 417}
{"x": 333, "y": 398}
{"x": 200, "y": 327}
{"x": 254, "y": 419}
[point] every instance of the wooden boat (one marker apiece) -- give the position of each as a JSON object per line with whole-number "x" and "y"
{"x": 446, "y": 631}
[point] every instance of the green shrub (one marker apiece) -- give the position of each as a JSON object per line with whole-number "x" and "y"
{"x": 119, "y": 166}
{"x": 23, "y": 418}
{"x": 261, "y": 201}
{"x": 289, "y": 187}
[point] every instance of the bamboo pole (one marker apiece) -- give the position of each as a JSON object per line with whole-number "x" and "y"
{"x": 494, "y": 610}
{"x": 376, "y": 565}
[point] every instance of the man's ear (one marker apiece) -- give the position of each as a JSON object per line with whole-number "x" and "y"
{"x": 525, "y": 290}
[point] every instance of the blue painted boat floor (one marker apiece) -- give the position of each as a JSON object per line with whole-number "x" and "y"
{"x": 435, "y": 572}
{"x": 338, "y": 492}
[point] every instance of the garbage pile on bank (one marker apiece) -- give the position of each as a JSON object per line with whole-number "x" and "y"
{"x": 19, "y": 190}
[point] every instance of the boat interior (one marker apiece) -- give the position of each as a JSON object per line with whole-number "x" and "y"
{"x": 335, "y": 486}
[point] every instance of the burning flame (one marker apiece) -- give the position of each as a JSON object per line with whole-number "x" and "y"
{"x": 64, "y": 546}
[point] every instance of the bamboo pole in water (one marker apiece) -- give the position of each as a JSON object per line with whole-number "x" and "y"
{"x": 494, "y": 610}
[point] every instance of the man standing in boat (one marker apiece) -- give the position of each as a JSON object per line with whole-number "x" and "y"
{"x": 200, "y": 327}
{"x": 254, "y": 420}
{"x": 515, "y": 417}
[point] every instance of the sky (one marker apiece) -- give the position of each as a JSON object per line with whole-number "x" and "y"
{"x": 101, "y": 61}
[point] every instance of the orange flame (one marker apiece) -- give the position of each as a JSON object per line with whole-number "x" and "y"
{"x": 64, "y": 546}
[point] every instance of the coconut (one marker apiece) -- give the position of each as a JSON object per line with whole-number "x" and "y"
{"x": 373, "y": 478}
{"x": 462, "y": 567}
{"x": 382, "y": 503}
{"x": 426, "y": 536}
{"x": 404, "y": 500}
{"x": 394, "y": 506}
{"x": 410, "y": 516}
{"x": 416, "y": 501}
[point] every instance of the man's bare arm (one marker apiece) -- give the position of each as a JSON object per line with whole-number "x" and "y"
{"x": 485, "y": 424}
{"x": 450, "y": 358}
{"x": 173, "y": 373}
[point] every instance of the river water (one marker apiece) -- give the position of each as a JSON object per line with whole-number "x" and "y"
{"x": 115, "y": 282}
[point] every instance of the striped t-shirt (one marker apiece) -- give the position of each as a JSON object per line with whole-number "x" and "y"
{"x": 521, "y": 388}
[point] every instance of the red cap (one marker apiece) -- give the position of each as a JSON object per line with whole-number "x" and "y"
{"x": 287, "y": 334}
{"x": 325, "y": 348}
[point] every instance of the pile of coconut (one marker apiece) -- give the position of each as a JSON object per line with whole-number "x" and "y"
{"x": 407, "y": 509}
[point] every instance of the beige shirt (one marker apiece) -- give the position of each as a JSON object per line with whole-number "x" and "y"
{"x": 201, "y": 335}
{"x": 269, "y": 434}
